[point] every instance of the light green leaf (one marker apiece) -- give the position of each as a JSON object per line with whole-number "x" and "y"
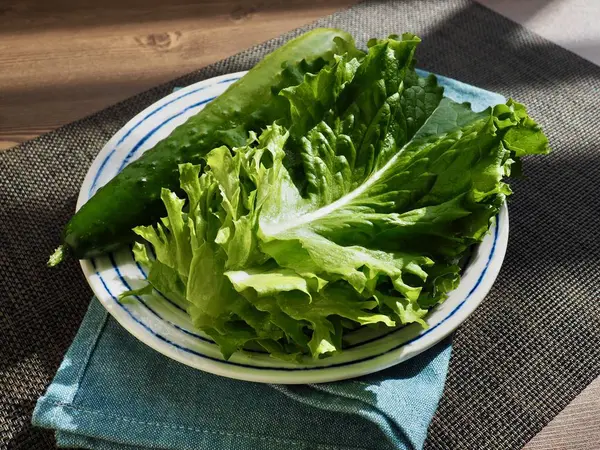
{"x": 357, "y": 211}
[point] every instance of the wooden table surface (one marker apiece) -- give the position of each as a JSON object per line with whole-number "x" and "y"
{"x": 61, "y": 60}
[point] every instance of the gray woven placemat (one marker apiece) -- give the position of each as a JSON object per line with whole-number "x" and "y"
{"x": 530, "y": 348}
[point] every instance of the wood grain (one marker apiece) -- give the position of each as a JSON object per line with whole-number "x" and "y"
{"x": 65, "y": 59}
{"x": 577, "y": 427}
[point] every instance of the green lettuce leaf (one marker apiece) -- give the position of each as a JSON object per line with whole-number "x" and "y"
{"x": 388, "y": 186}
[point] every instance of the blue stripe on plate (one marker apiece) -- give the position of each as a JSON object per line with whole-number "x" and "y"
{"x": 100, "y": 170}
{"x": 162, "y": 338}
{"x": 146, "y": 117}
{"x": 128, "y": 287}
{"x": 184, "y": 330}
{"x": 146, "y": 327}
{"x": 145, "y": 275}
{"x": 228, "y": 80}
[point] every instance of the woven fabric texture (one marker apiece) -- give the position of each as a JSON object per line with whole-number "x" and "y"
{"x": 531, "y": 347}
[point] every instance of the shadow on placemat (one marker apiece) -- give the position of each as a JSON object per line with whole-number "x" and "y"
{"x": 530, "y": 348}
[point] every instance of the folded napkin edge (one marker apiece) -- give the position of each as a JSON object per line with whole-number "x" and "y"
{"x": 76, "y": 420}
{"x": 56, "y": 409}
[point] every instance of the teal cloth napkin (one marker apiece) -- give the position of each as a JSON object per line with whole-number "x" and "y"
{"x": 113, "y": 392}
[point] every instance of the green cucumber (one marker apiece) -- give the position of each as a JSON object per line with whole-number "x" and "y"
{"x": 132, "y": 198}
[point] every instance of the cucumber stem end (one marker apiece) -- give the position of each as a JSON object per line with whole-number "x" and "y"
{"x": 57, "y": 257}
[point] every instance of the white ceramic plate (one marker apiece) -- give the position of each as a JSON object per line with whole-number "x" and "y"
{"x": 165, "y": 327}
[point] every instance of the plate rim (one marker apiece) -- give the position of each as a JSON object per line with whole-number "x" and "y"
{"x": 407, "y": 350}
